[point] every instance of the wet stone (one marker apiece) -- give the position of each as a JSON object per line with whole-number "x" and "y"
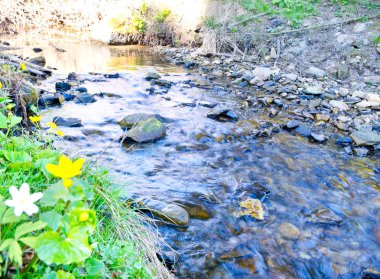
{"x": 370, "y": 273}
{"x": 292, "y": 124}
{"x": 172, "y": 213}
{"x": 72, "y": 76}
{"x": 163, "y": 83}
{"x": 131, "y": 120}
{"x": 315, "y": 72}
{"x": 303, "y": 131}
{"x": 47, "y": 100}
{"x": 84, "y": 98}
{"x": 152, "y": 76}
{"x": 37, "y": 49}
{"x": 318, "y": 137}
{"x": 62, "y": 86}
{"x": 146, "y": 131}
{"x": 67, "y": 122}
{"x": 361, "y": 152}
{"x": 365, "y": 138}
{"x": 223, "y": 115}
{"x": 116, "y": 75}
{"x": 39, "y": 60}
{"x": 324, "y": 216}
{"x": 289, "y": 231}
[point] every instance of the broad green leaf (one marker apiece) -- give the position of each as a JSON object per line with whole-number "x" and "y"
{"x": 28, "y": 228}
{"x": 15, "y": 252}
{"x": 3, "y": 121}
{"x": 17, "y": 159}
{"x": 14, "y": 120}
{"x": 64, "y": 275}
{"x": 29, "y": 241}
{"x": 6, "y": 243}
{"x": 51, "y": 247}
{"x": 94, "y": 268}
{"x": 9, "y": 217}
{"x": 55, "y": 193}
{"x": 52, "y": 218}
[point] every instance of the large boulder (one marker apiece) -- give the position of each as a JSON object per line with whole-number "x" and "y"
{"x": 146, "y": 131}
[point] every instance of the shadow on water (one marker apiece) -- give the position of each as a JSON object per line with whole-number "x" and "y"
{"x": 322, "y": 206}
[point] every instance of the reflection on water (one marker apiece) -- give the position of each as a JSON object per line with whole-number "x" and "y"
{"x": 321, "y": 216}
{"x": 89, "y": 58}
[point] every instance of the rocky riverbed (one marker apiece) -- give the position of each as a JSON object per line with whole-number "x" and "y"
{"x": 193, "y": 144}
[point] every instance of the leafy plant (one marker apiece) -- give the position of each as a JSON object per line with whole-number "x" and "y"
{"x": 211, "y": 23}
{"x": 162, "y": 15}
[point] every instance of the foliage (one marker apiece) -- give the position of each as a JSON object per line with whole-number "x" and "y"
{"x": 295, "y": 10}
{"x": 211, "y": 23}
{"x": 162, "y": 15}
{"x": 259, "y": 6}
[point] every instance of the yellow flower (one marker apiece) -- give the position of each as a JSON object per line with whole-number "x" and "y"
{"x": 35, "y": 119}
{"x": 67, "y": 183}
{"x": 84, "y": 216}
{"x": 66, "y": 168}
{"x": 6, "y": 66}
{"x": 52, "y": 125}
{"x": 59, "y": 133}
{"x": 9, "y": 107}
{"x": 1, "y": 85}
{"x": 22, "y": 66}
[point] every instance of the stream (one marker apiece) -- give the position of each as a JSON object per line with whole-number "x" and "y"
{"x": 321, "y": 205}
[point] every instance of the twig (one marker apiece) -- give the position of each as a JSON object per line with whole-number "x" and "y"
{"x": 248, "y": 19}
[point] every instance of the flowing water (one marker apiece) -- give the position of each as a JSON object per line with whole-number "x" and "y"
{"x": 208, "y": 167}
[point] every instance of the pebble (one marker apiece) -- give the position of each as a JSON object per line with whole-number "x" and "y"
{"x": 289, "y": 231}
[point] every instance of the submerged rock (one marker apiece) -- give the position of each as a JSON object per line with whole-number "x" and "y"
{"x": 223, "y": 115}
{"x": 146, "y": 131}
{"x": 67, "y": 122}
{"x": 116, "y": 75}
{"x": 84, "y": 98}
{"x": 289, "y": 231}
{"x": 169, "y": 212}
{"x": 324, "y": 216}
{"x": 48, "y": 100}
{"x": 39, "y": 60}
{"x": 365, "y": 138}
{"x": 163, "y": 83}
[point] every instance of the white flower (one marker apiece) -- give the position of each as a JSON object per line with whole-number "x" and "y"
{"x": 22, "y": 200}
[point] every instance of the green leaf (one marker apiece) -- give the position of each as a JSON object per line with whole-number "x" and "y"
{"x": 15, "y": 252}
{"x": 3, "y": 121}
{"x": 6, "y": 243}
{"x": 64, "y": 275}
{"x": 52, "y": 218}
{"x": 54, "y": 193}
{"x": 88, "y": 225}
{"x": 14, "y": 120}
{"x": 29, "y": 241}
{"x": 9, "y": 217}
{"x": 17, "y": 159}
{"x": 94, "y": 267}
{"x": 28, "y": 228}
{"x": 51, "y": 247}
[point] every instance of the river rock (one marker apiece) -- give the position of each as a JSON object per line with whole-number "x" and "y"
{"x": 262, "y": 73}
{"x": 116, "y": 75}
{"x": 339, "y": 105}
{"x": 346, "y": 39}
{"x": 289, "y": 231}
{"x": 48, "y": 100}
{"x": 39, "y": 60}
{"x": 292, "y": 124}
{"x": 324, "y": 216}
{"x": 365, "y": 138}
{"x": 67, "y": 122}
{"x": 37, "y": 49}
{"x": 322, "y": 117}
{"x": 62, "y": 86}
{"x": 72, "y": 76}
{"x": 372, "y": 97}
{"x": 163, "y": 83}
{"x": 315, "y": 72}
{"x": 146, "y": 131}
{"x": 169, "y": 212}
{"x": 152, "y": 76}
{"x": 317, "y": 137}
{"x": 223, "y": 115}
{"x": 343, "y": 141}
{"x": 131, "y": 120}
{"x": 84, "y": 98}
{"x": 361, "y": 152}
{"x": 195, "y": 210}
{"x": 367, "y": 104}
{"x": 303, "y": 131}
{"x": 372, "y": 79}
{"x": 370, "y": 273}
{"x": 314, "y": 90}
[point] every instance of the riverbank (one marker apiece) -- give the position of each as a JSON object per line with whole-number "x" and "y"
{"x": 79, "y": 226}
